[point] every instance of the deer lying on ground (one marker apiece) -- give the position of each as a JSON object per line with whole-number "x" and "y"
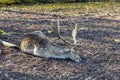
{"x": 36, "y": 43}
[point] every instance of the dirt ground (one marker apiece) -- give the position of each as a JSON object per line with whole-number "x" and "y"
{"x": 96, "y": 36}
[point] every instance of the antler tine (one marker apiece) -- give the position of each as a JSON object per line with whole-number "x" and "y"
{"x": 60, "y": 37}
{"x": 56, "y": 28}
{"x": 74, "y": 33}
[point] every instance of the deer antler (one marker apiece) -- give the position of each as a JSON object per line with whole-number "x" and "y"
{"x": 56, "y": 28}
{"x": 74, "y": 33}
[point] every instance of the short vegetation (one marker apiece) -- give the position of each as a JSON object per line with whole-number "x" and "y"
{"x": 50, "y": 1}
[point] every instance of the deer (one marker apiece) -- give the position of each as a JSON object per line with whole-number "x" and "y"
{"x": 38, "y": 44}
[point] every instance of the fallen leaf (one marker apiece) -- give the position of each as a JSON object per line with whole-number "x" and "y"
{"x": 49, "y": 31}
{"x": 1, "y": 31}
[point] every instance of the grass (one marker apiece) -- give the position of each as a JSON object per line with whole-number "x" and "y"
{"x": 68, "y": 8}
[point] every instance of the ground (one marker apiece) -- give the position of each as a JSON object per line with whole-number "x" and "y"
{"x": 95, "y": 35}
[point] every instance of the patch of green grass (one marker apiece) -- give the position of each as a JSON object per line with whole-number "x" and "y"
{"x": 67, "y": 8}
{"x": 9, "y": 1}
